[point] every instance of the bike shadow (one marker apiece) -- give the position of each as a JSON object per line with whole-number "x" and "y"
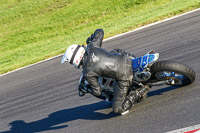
{"x": 162, "y": 90}
{"x": 87, "y": 112}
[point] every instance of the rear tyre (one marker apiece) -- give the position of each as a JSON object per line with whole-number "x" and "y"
{"x": 179, "y": 73}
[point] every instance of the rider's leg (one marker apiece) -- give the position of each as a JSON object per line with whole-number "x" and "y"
{"x": 124, "y": 53}
{"x": 121, "y": 91}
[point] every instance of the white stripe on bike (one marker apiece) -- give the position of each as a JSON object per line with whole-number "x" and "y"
{"x": 143, "y": 27}
{"x": 187, "y": 129}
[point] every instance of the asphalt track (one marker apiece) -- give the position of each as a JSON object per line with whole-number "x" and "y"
{"x": 44, "y": 97}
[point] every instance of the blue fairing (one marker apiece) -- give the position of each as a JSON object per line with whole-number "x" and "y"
{"x": 138, "y": 64}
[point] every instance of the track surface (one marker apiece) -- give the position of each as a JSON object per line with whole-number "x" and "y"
{"x": 44, "y": 97}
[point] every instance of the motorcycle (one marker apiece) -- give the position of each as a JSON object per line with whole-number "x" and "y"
{"x": 147, "y": 73}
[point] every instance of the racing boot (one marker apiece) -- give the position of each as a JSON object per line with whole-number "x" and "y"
{"x": 129, "y": 101}
{"x": 134, "y": 97}
{"x": 126, "y": 106}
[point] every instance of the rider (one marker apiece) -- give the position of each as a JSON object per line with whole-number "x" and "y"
{"x": 96, "y": 62}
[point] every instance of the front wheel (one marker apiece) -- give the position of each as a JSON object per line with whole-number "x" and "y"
{"x": 178, "y": 73}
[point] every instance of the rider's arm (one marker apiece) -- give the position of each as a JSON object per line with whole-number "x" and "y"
{"x": 93, "y": 82}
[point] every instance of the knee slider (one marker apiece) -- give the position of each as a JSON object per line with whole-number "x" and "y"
{"x": 117, "y": 110}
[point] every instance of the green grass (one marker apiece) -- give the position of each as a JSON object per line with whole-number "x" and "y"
{"x": 34, "y": 30}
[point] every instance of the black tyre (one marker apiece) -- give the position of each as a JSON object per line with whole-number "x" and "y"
{"x": 177, "y": 72}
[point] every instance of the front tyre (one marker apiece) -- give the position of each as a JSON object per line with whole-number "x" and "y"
{"x": 178, "y": 73}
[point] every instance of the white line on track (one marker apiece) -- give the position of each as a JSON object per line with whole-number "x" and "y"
{"x": 187, "y": 129}
{"x": 149, "y": 25}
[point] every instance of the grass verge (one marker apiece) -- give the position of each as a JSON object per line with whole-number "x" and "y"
{"x": 34, "y": 30}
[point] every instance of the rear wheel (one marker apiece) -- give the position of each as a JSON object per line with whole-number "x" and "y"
{"x": 178, "y": 73}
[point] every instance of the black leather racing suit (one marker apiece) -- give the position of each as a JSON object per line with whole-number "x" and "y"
{"x": 99, "y": 62}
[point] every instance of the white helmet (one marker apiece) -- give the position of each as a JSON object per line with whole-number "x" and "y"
{"x": 73, "y": 55}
